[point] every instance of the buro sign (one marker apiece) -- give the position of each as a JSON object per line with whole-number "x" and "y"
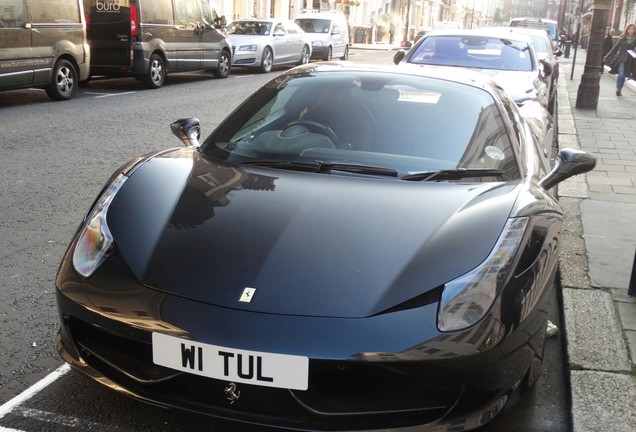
{"x": 107, "y": 6}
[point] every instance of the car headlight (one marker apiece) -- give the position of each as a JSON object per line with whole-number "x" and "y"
{"x": 468, "y": 298}
{"x": 95, "y": 241}
{"x": 247, "y": 48}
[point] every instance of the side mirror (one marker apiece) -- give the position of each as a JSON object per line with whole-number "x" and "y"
{"x": 187, "y": 130}
{"x": 569, "y": 162}
{"x": 399, "y": 56}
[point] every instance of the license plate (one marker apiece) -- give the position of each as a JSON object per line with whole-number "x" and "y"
{"x": 230, "y": 364}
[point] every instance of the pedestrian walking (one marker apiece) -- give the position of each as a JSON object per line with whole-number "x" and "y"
{"x": 608, "y": 43}
{"x": 620, "y": 57}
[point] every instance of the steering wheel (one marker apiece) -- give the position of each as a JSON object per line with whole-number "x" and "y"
{"x": 315, "y": 127}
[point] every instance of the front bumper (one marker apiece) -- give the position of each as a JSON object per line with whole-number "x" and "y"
{"x": 377, "y": 373}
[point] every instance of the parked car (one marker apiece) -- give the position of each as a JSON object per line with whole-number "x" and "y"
{"x": 510, "y": 60}
{"x": 306, "y": 269}
{"x": 547, "y": 52}
{"x": 329, "y": 34}
{"x": 149, "y": 39}
{"x": 549, "y": 25}
{"x": 420, "y": 34}
{"x": 264, "y": 43}
{"x": 43, "y": 45}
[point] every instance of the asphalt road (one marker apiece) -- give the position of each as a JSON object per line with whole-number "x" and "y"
{"x": 56, "y": 156}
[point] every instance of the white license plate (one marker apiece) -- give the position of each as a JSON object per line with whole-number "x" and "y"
{"x": 229, "y": 364}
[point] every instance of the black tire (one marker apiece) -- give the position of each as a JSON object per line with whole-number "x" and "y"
{"x": 345, "y": 56}
{"x": 328, "y": 55}
{"x": 267, "y": 61}
{"x": 304, "y": 56}
{"x": 64, "y": 81}
{"x": 223, "y": 70}
{"x": 156, "y": 72}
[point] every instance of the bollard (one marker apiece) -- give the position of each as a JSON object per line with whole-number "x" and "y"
{"x": 632, "y": 282}
{"x": 568, "y": 44}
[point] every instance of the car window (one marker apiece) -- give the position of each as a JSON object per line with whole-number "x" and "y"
{"x": 13, "y": 13}
{"x": 186, "y": 13}
{"x": 158, "y": 11}
{"x": 474, "y": 51}
{"x": 54, "y": 11}
{"x": 404, "y": 123}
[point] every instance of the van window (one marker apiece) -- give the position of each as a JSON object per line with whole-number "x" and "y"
{"x": 13, "y": 13}
{"x": 156, "y": 11}
{"x": 186, "y": 12}
{"x": 54, "y": 11}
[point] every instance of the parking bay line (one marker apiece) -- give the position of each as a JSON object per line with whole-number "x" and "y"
{"x": 35, "y": 388}
{"x": 13, "y": 406}
{"x": 103, "y": 95}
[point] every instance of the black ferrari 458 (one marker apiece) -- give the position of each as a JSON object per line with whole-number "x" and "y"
{"x": 353, "y": 248}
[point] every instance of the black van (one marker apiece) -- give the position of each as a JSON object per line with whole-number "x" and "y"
{"x": 149, "y": 38}
{"x": 43, "y": 44}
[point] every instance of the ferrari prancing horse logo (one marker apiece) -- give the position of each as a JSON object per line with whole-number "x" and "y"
{"x": 247, "y": 295}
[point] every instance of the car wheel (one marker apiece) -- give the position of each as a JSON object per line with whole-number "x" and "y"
{"x": 156, "y": 72}
{"x": 223, "y": 71}
{"x": 304, "y": 56}
{"x": 267, "y": 61}
{"x": 328, "y": 54}
{"x": 63, "y": 81}
{"x": 345, "y": 56}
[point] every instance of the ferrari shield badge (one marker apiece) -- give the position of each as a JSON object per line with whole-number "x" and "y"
{"x": 247, "y": 295}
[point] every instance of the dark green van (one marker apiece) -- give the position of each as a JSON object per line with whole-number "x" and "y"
{"x": 148, "y": 39}
{"x": 43, "y": 44}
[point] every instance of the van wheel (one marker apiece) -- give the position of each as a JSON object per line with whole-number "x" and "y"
{"x": 304, "y": 56}
{"x": 156, "y": 72}
{"x": 345, "y": 56}
{"x": 267, "y": 61}
{"x": 328, "y": 55}
{"x": 63, "y": 82}
{"x": 224, "y": 66}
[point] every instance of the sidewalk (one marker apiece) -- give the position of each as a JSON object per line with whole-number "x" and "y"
{"x": 597, "y": 253}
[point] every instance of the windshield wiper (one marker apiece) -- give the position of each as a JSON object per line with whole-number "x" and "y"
{"x": 324, "y": 167}
{"x": 454, "y": 174}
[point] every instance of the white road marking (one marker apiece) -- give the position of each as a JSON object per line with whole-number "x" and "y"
{"x": 34, "y": 389}
{"x": 103, "y": 95}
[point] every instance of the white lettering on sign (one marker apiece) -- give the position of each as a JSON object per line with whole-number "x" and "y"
{"x": 107, "y": 6}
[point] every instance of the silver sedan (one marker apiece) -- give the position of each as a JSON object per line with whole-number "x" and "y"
{"x": 264, "y": 43}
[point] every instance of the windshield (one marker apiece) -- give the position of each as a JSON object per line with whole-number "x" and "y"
{"x": 407, "y": 124}
{"x": 474, "y": 51}
{"x": 250, "y": 28}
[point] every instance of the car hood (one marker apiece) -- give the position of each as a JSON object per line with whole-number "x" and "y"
{"x": 520, "y": 86}
{"x": 309, "y": 244}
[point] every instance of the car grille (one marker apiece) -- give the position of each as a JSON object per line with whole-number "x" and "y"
{"x": 247, "y": 61}
{"x": 346, "y": 394}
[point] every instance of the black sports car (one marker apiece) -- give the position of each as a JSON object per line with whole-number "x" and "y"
{"x": 352, "y": 248}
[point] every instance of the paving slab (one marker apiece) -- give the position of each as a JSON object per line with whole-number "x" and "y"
{"x": 603, "y": 402}
{"x": 594, "y": 337}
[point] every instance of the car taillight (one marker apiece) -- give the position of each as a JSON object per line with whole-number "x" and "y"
{"x": 134, "y": 20}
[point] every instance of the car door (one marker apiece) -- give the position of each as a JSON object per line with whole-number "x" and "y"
{"x": 282, "y": 46}
{"x": 211, "y": 38}
{"x": 295, "y": 39}
{"x": 187, "y": 48}
{"x": 17, "y": 64}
